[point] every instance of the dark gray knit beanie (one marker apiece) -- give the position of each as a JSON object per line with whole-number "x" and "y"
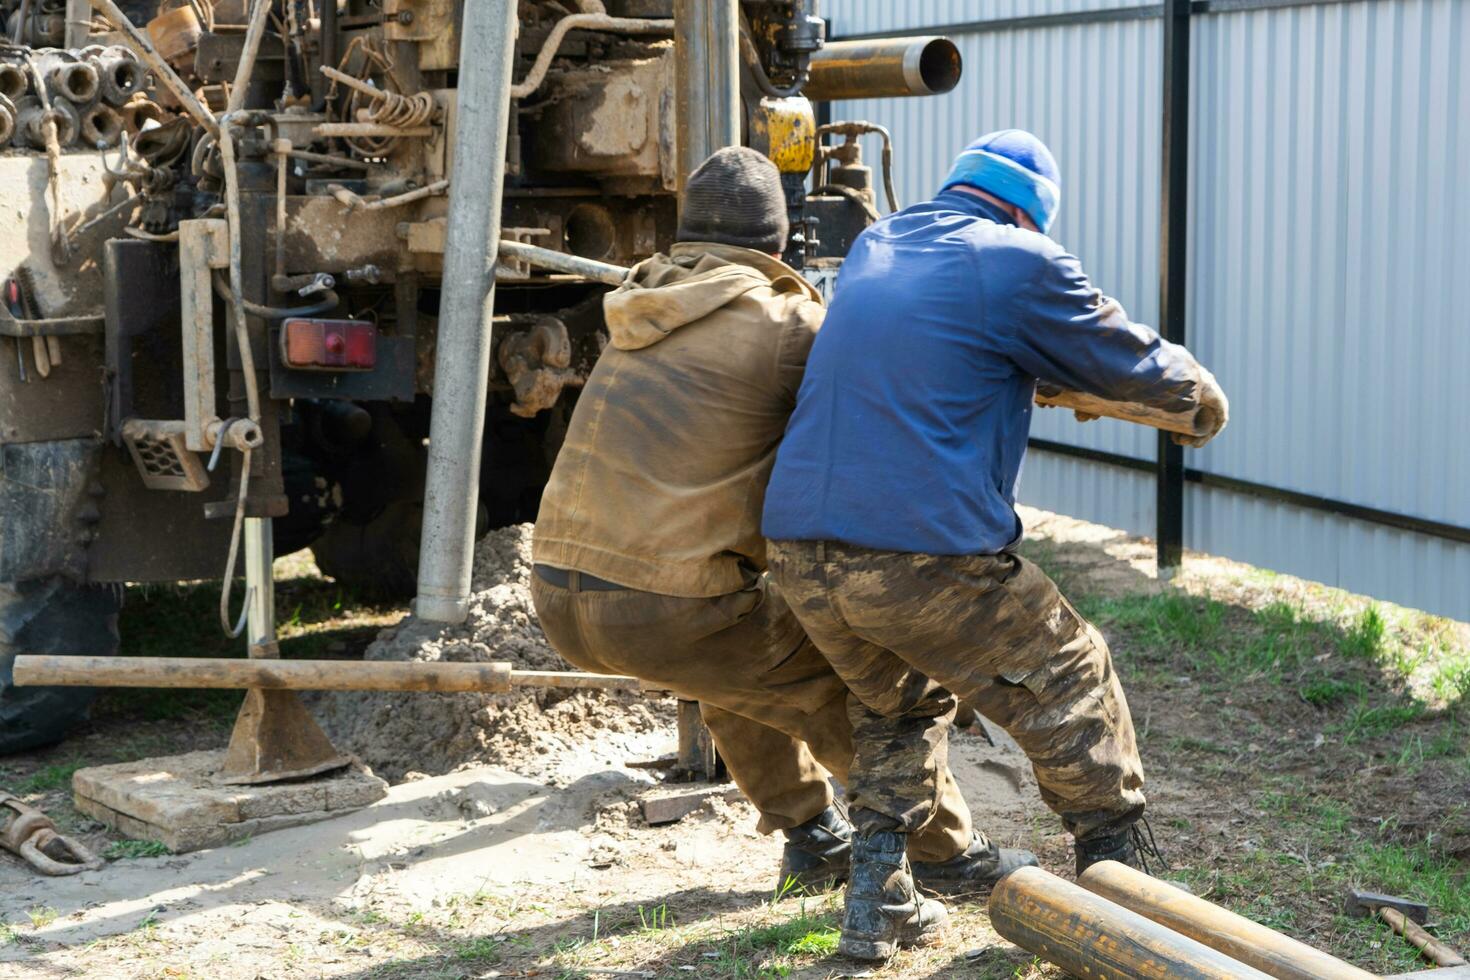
{"x": 735, "y": 198}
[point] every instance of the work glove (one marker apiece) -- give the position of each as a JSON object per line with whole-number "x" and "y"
{"x": 1214, "y": 412}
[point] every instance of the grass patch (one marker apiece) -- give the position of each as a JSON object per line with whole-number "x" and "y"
{"x": 50, "y": 778}
{"x": 1365, "y": 721}
{"x": 484, "y": 948}
{"x": 1324, "y": 692}
{"x": 120, "y": 849}
{"x": 41, "y": 916}
{"x": 1364, "y": 637}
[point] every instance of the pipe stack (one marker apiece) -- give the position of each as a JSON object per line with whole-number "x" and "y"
{"x": 1117, "y": 922}
{"x": 95, "y": 94}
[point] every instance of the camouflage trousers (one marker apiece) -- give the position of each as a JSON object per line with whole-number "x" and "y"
{"x": 777, "y": 710}
{"x": 909, "y": 633}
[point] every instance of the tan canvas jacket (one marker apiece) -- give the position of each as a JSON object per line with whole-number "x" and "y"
{"x": 660, "y": 483}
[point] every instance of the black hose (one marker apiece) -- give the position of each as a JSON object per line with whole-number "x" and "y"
{"x": 326, "y": 304}
{"x": 327, "y": 43}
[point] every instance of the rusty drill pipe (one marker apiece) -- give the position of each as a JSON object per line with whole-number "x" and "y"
{"x": 894, "y": 67}
{"x": 545, "y": 258}
{"x": 1089, "y": 936}
{"x": 297, "y": 675}
{"x": 14, "y": 82}
{"x": 1236, "y": 936}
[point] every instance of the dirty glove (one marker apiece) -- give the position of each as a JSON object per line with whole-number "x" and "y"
{"x": 1214, "y": 412}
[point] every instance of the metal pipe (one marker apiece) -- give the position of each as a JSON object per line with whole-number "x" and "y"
{"x": 706, "y": 80}
{"x": 354, "y": 130}
{"x": 298, "y": 675}
{"x": 78, "y": 24}
{"x": 886, "y": 68}
{"x": 1235, "y": 936}
{"x": 328, "y": 40}
{"x": 139, "y": 42}
{"x": 575, "y": 265}
{"x": 246, "y": 67}
{"x": 462, "y": 360}
{"x": 588, "y": 22}
{"x": 1089, "y": 936}
{"x": 354, "y": 202}
{"x": 260, "y": 588}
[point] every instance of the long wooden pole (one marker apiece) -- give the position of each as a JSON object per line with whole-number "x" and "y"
{"x": 1089, "y": 936}
{"x": 34, "y": 670}
{"x": 1236, "y": 936}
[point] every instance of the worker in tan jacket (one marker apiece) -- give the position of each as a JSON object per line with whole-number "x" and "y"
{"x": 649, "y": 558}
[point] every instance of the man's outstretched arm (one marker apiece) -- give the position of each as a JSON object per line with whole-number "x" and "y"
{"x": 1067, "y": 333}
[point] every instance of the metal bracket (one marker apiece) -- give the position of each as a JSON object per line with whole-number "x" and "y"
{"x": 203, "y": 247}
{"x": 163, "y": 459}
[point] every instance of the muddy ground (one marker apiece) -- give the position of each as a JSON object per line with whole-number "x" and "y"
{"x": 1297, "y": 740}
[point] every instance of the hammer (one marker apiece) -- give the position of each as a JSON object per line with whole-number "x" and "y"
{"x": 1405, "y": 917}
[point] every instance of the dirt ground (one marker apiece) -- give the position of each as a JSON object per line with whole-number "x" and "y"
{"x": 1297, "y": 740}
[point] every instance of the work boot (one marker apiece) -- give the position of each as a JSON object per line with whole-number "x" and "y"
{"x": 884, "y": 910}
{"x": 818, "y": 853}
{"x": 1131, "y": 844}
{"x": 973, "y": 871}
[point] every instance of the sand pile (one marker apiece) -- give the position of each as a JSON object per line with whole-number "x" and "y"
{"x": 527, "y": 731}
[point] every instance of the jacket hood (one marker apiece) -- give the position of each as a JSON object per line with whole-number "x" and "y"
{"x": 665, "y": 292}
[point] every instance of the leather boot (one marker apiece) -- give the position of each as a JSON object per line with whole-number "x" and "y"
{"x": 884, "y": 910}
{"x": 818, "y": 853}
{"x": 974, "y": 871}
{"x": 1131, "y": 844}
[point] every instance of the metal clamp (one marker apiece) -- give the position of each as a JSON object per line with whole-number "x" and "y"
{"x": 30, "y": 834}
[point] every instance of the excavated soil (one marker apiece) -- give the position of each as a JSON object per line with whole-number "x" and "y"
{"x": 544, "y": 733}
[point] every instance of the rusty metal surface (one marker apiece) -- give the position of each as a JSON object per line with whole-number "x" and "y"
{"x": 275, "y": 739}
{"x": 324, "y": 235}
{"x": 609, "y": 120}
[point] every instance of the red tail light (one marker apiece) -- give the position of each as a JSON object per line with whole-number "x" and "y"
{"x": 329, "y": 345}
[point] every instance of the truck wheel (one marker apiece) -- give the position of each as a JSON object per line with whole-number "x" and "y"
{"x": 379, "y": 558}
{"x": 51, "y": 616}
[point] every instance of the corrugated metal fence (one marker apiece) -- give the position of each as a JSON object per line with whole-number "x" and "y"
{"x": 1329, "y": 239}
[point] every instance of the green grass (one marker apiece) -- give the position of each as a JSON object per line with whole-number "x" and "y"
{"x": 484, "y": 948}
{"x": 119, "y": 849}
{"x": 1366, "y": 721}
{"x": 1324, "y": 692}
{"x": 53, "y": 777}
{"x": 1364, "y": 637}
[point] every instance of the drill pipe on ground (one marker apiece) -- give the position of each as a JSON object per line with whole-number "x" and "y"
{"x": 1089, "y": 936}
{"x": 1235, "y": 936}
{"x": 41, "y": 670}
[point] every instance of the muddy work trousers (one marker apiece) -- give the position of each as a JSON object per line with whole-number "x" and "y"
{"x": 910, "y": 632}
{"x": 776, "y": 709}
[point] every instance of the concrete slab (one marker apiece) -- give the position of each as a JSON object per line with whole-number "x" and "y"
{"x": 174, "y": 800}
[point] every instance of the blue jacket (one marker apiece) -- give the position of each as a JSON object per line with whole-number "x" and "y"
{"x": 911, "y": 421}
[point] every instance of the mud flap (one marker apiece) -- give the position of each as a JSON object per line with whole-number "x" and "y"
{"x": 43, "y": 490}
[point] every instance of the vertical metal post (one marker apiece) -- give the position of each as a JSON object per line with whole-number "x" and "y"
{"x": 462, "y": 360}
{"x": 78, "y": 24}
{"x": 260, "y": 587}
{"x": 1173, "y": 268}
{"x": 707, "y": 116}
{"x": 706, "y": 80}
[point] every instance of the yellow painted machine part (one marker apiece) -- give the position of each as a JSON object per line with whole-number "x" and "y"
{"x": 786, "y": 131}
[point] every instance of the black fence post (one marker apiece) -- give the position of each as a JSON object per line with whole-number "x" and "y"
{"x": 1173, "y": 255}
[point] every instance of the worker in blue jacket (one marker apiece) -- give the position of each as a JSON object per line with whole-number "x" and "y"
{"x": 892, "y": 523}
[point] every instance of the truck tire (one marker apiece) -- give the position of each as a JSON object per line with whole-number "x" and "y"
{"x": 51, "y": 616}
{"x": 379, "y": 558}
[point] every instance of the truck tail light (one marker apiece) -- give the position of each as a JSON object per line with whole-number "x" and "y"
{"x": 329, "y": 345}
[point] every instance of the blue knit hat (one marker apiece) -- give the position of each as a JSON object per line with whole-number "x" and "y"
{"x": 1017, "y": 168}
